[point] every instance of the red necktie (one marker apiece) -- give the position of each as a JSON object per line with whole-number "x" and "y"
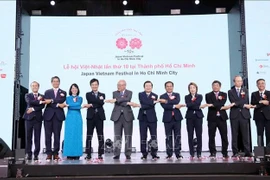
{"x": 216, "y": 93}
{"x": 35, "y": 96}
{"x": 173, "y": 109}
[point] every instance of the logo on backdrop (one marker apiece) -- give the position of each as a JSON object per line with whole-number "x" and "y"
{"x": 263, "y": 66}
{"x": 3, "y": 76}
{"x": 129, "y": 44}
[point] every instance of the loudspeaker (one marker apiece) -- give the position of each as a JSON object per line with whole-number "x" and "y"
{"x": 4, "y": 150}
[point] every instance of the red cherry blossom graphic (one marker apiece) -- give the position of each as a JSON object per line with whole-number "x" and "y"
{"x": 261, "y": 66}
{"x": 121, "y": 43}
{"x": 3, "y": 76}
{"x": 135, "y": 43}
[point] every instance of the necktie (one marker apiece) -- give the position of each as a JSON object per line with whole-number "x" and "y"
{"x": 121, "y": 93}
{"x": 35, "y": 96}
{"x": 170, "y": 95}
{"x": 96, "y": 94}
{"x": 55, "y": 93}
{"x": 238, "y": 92}
{"x": 147, "y": 94}
{"x": 261, "y": 95}
{"x": 216, "y": 93}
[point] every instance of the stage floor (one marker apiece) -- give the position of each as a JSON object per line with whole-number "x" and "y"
{"x": 137, "y": 167}
{"x": 136, "y": 159}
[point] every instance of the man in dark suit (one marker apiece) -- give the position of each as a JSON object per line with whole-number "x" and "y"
{"x": 122, "y": 116}
{"x": 33, "y": 120}
{"x": 95, "y": 117}
{"x": 148, "y": 119}
{"x": 53, "y": 117}
{"x": 239, "y": 116}
{"x": 172, "y": 120}
{"x": 260, "y": 100}
{"x": 217, "y": 118}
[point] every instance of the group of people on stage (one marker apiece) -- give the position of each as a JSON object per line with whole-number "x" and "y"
{"x": 54, "y": 101}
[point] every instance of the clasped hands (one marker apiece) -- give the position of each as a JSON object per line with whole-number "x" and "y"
{"x": 222, "y": 108}
{"x": 264, "y": 102}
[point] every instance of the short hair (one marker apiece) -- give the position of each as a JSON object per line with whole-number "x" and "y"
{"x": 55, "y": 77}
{"x": 94, "y": 80}
{"x": 76, "y": 86}
{"x": 236, "y": 77}
{"x": 216, "y": 81}
{"x": 147, "y": 82}
{"x": 260, "y": 80}
{"x": 168, "y": 83}
{"x": 194, "y": 84}
{"x": 34, "y": 82}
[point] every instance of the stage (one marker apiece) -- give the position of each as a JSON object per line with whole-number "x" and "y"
{"x": 139, "y": 169}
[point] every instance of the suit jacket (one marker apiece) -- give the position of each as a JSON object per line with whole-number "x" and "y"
{"x": 35, "y": 104}
{"x": 121, "y": 107}
{"x": 261, "y": 109}
{"x": 217, "y": 105}
{"x": 168, "y": 107}
{"x": 193, "y": 107}
{"x": 52, "y": 109}
{"x": 238, "y": 108}
{"x": 97, "y": 103}
{"x": 147, "y": 106}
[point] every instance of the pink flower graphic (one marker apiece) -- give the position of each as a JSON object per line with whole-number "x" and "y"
{"x": 135, "y": 43}
{"x": 121, "y": 43}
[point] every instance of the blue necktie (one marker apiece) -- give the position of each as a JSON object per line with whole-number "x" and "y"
{"x": 238, "y": 92}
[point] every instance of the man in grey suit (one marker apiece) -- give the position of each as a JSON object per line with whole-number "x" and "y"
{"x": 123, "y": 117}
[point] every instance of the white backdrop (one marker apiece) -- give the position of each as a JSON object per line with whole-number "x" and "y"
{"x": 7, "y": 60}
{"x": 258, "y": 47}
{"x": 184, "y": 48}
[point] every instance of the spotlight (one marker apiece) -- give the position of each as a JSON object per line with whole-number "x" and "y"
{"x": 124, "y": 2}
{"x": 108, "y": 146}
{"x": 52, "y": 3}
{"x": 197, "y": 2}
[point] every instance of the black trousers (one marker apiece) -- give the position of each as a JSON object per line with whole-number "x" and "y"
{"x": 194, "y": 123}
{"x": 152, "y": 126}
{"x": 242, "y": 124}
{"x": 221, "y": 125}
{"x": 263, "y": 125}
{"x": 32, "y": 126}
{"x": 173, "y": 129}
{"x": 95, "y": 123}
{"x": 53, "y": 126}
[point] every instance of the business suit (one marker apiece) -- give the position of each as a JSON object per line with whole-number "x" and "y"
{"x": 194, "y": 117}
{"x": 53, "y": 119}
{"x": 172, "y": 122}
{"x": 217, "y": 118}
{"x": 261, "y": 116}
{"x": 33, "y": 122}
{"x": 239, "y": 117}
{"x": 148, "y": 119}
{"x": 95, "y": 117}
{"x": 123, "y": 117}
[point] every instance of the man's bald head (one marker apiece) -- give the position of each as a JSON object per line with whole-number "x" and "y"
{"x": 121, "y": 85}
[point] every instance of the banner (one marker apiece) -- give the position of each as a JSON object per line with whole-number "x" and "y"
{"x": 181, "y": 49}
{"x": 7, "y": 61}
{"x": 258, "y": 47}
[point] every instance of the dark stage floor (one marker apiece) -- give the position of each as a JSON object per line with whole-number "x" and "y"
{"x": 137, "y": 167}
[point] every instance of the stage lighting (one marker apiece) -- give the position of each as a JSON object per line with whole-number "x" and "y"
{"x": 52, "y": 3}
{"x": 197, "y": 2}
{"x": 108, "y": 146}
{"x": 124, "y": 2}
